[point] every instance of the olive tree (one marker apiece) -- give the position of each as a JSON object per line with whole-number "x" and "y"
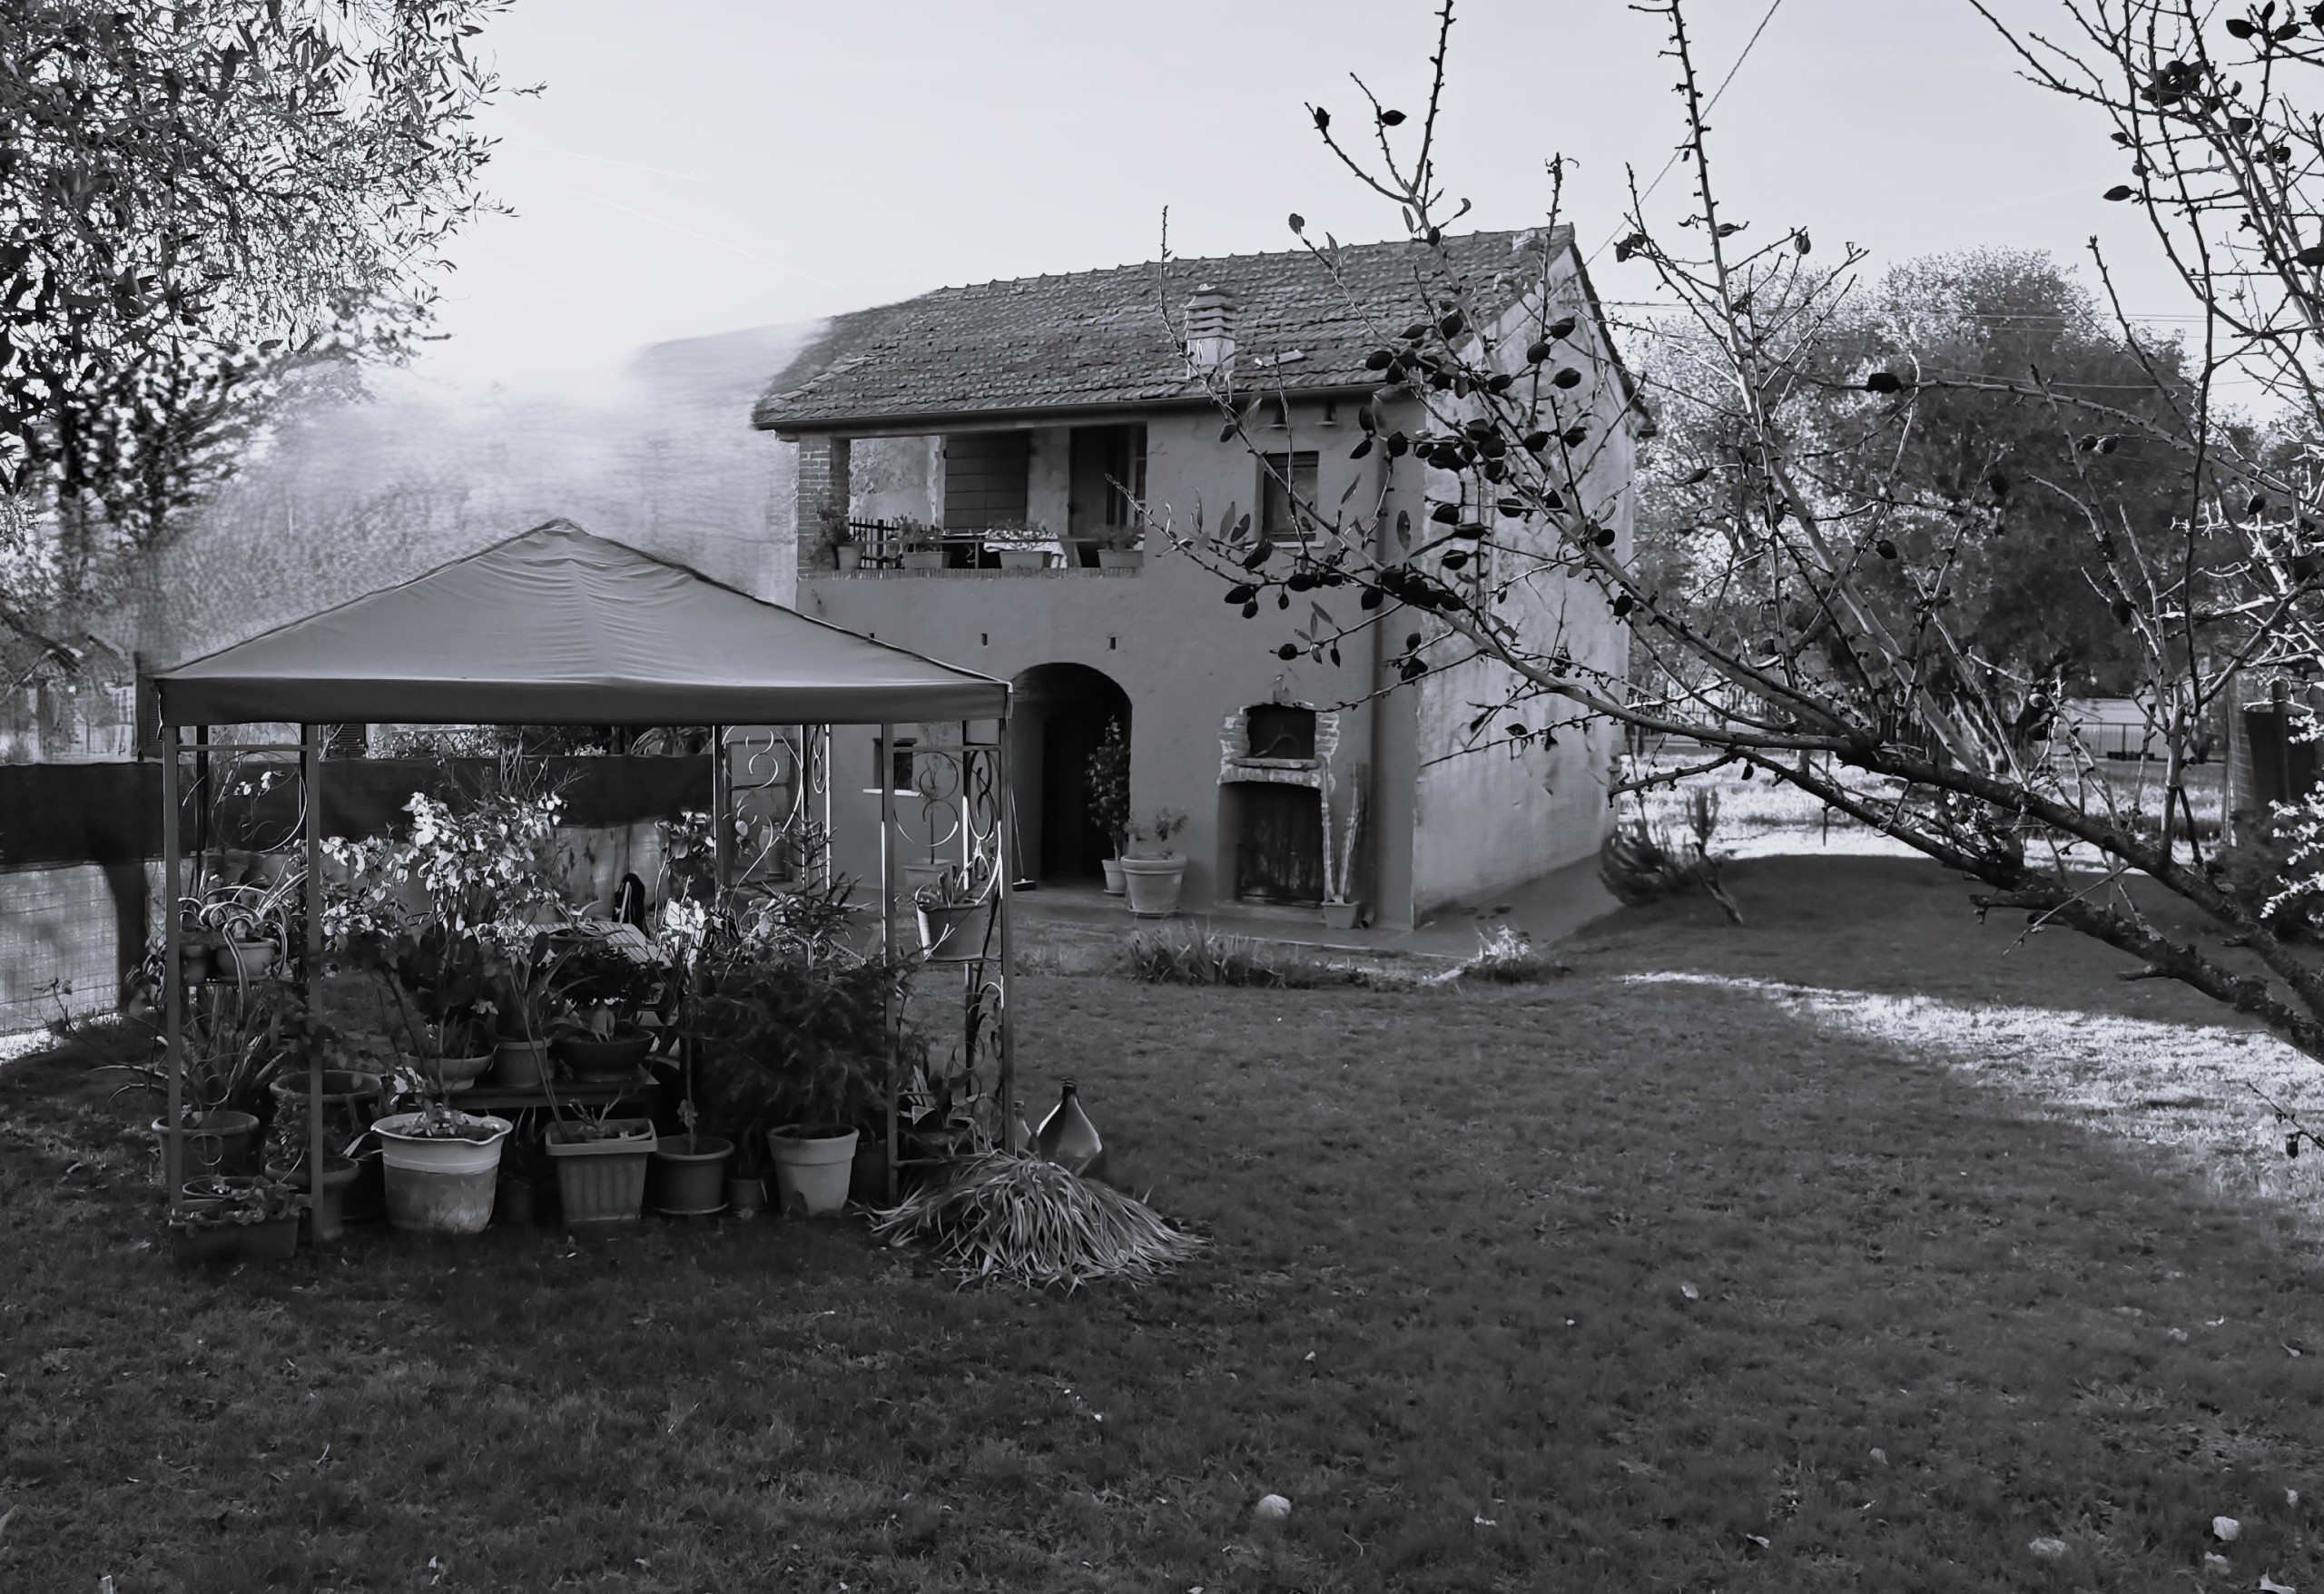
{"x": 201, "y": 205}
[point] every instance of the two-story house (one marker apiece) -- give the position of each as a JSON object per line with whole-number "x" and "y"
{"x": 993, "y": 476}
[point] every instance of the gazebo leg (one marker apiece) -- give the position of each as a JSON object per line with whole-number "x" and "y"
{"x": 885, "y": 765}
{"x": 311, "y": 758}
{"x": 1007, "y": 849}
{"x": 172, "y": 974}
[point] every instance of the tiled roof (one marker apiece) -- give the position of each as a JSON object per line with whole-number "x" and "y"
{"x": 1098, "y": 337}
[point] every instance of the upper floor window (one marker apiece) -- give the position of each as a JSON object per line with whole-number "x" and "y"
{"x": 1285, "y": 479}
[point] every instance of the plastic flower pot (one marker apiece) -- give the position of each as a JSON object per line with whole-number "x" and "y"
{"x": 221, "y": 1141}
{"x": 519, "y": 1065}
{"x": 601, "y": 1180}
{"x": 1153, "y": 885}
{"x": 350, "y": 1101}
{"x": 1341, "y": 915}
{"x": 439, "y": 1186}
{"x": 955, "y": 934}
{"x": 243, "y": 959}
{"x": 746, "y": 1196}
{"x": 686, "y": 1177}
{"x": 614, "y": 1059}
{"x": 1113, "y": 868}
{"x": 812, "y": 1165}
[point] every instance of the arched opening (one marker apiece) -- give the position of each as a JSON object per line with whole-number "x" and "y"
{"x": 1061, "y": 712}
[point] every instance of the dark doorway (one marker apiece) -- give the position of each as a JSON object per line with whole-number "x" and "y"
{"x": 1062, "y": 714}
{"x": 1279, "y": 844}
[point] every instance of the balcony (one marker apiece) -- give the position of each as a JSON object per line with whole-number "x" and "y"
{"x": 882, "y": 549}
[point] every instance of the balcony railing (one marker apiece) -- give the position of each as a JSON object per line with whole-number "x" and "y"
{"x": 887, "y": 544}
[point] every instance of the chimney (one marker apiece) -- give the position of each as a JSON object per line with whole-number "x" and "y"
{"x": 1210, "y": 331}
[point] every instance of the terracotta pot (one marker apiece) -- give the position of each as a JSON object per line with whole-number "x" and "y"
{"x": 329, "y": 1216}
{"x": 1022, "y": 558}
{"x": 849, "y": 555}
{"x": 746, "y": 1197}
{"x": 1113, "y": 868}
{"x": 811, "y": 1166}
{"x": 1121, "y": 558}
{"x": 1341, "y": 915}
{"x": 923, "y": 559}
{"x": 1153, "y": 885}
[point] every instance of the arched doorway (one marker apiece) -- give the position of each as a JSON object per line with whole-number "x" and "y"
{"x": 1060, "y": 713}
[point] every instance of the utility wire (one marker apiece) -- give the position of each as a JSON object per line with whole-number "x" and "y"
{"x": 1709, "y": 107}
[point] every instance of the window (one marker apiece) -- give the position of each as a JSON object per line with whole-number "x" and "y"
{"x": 1284, "y": 479}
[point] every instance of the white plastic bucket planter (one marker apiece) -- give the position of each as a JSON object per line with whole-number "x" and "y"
{"x": 439, "y": 1186}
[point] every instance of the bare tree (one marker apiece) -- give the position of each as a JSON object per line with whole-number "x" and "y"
{"x": 1816, "y": 636}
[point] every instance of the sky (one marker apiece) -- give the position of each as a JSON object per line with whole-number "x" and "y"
{"x": 699, "y": 166}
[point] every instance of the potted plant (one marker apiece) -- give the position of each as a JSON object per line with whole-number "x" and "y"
{"x": 234, "y": 1041}
{"x": 686, "y": 1177}
{"x": 1153, "y": 872}
{"x": 1019, "y": 545}
{"x": 618, "y": 995}
{"x": 955, "y": 912}
{"x": 431, "y": 917}
{"x": 1120, "y": 549}
{"x": 441, "y": 1167}
{"x": 1341, "y": 908}
{"x": 523, "y": 965}
{"x": 228, "y": 1219}
{"x": 847, "y": 554}
{"x": 790, "y": 1032}
{"x": 1108, "y": 774}
{"x": 600, "y": 1161}
{"x": 922, "y": 544}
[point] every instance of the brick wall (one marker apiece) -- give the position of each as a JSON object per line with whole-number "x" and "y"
{"x": 821, "y": 484}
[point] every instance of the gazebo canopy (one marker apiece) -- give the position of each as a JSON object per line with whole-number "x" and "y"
{"x": 555, "y": 627}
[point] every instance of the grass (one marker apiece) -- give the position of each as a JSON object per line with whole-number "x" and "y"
{"x": 1734, "y": 1260}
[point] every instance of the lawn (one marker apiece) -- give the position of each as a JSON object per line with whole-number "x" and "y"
{"x": 1735, "y": 1260}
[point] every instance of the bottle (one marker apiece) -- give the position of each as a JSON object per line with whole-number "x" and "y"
{"x": 1069, "y": 1139}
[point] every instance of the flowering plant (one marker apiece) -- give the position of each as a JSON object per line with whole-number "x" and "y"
{"x": 449, "y": 917}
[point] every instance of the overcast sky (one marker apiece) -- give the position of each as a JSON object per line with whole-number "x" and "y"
{"x": 702, "y": 166}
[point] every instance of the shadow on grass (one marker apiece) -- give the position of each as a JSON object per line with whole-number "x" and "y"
{"x": 1446, "y": 1313}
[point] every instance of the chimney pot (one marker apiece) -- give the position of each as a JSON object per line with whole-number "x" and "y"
{"x": 1211, "y": 315}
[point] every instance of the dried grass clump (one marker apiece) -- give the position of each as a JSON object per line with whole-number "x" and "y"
{"x": 1507, "y": 956}
{"x": 999, "y": 1216}
{"x": 1192, "y": 956}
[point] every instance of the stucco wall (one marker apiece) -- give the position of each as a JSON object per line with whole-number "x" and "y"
{"x": 1185, "y": 659}
{"x": 1488, "y": 816}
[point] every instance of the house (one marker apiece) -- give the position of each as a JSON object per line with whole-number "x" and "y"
{"x": 1060, "y": 422}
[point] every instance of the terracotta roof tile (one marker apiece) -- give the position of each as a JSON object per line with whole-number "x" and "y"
{"x": 1098, "y": 337}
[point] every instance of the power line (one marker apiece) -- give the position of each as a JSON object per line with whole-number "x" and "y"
{"x": 1710, "y": 105}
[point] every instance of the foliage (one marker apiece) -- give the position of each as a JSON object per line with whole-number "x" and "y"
{"x": 207, "y": 206}
{"x": 1024, "y": 534}
{"x": 1192, "y": 955}
{"x": 442, "y": 914}
{"x": 961, "y": 885}
{"x": 1152, "y": 839}
{"x": 1023, "y": 1220}
{"x": 789, "y": 1025}
{"x": 1641, "y": 862}
{"x": 1107, "y": 777}
{"x": 235, "y": 1040}
{"x": 227, "y": 1202}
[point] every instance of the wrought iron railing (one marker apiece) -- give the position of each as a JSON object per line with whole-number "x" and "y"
{"x": 890, "y": 544}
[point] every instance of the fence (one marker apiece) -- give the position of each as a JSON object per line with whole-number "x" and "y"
{"x": 81, "y": 880}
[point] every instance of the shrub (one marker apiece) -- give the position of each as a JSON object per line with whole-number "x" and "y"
{"x": 1190, "y": 956}
{"x": 1507, "y": 956}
